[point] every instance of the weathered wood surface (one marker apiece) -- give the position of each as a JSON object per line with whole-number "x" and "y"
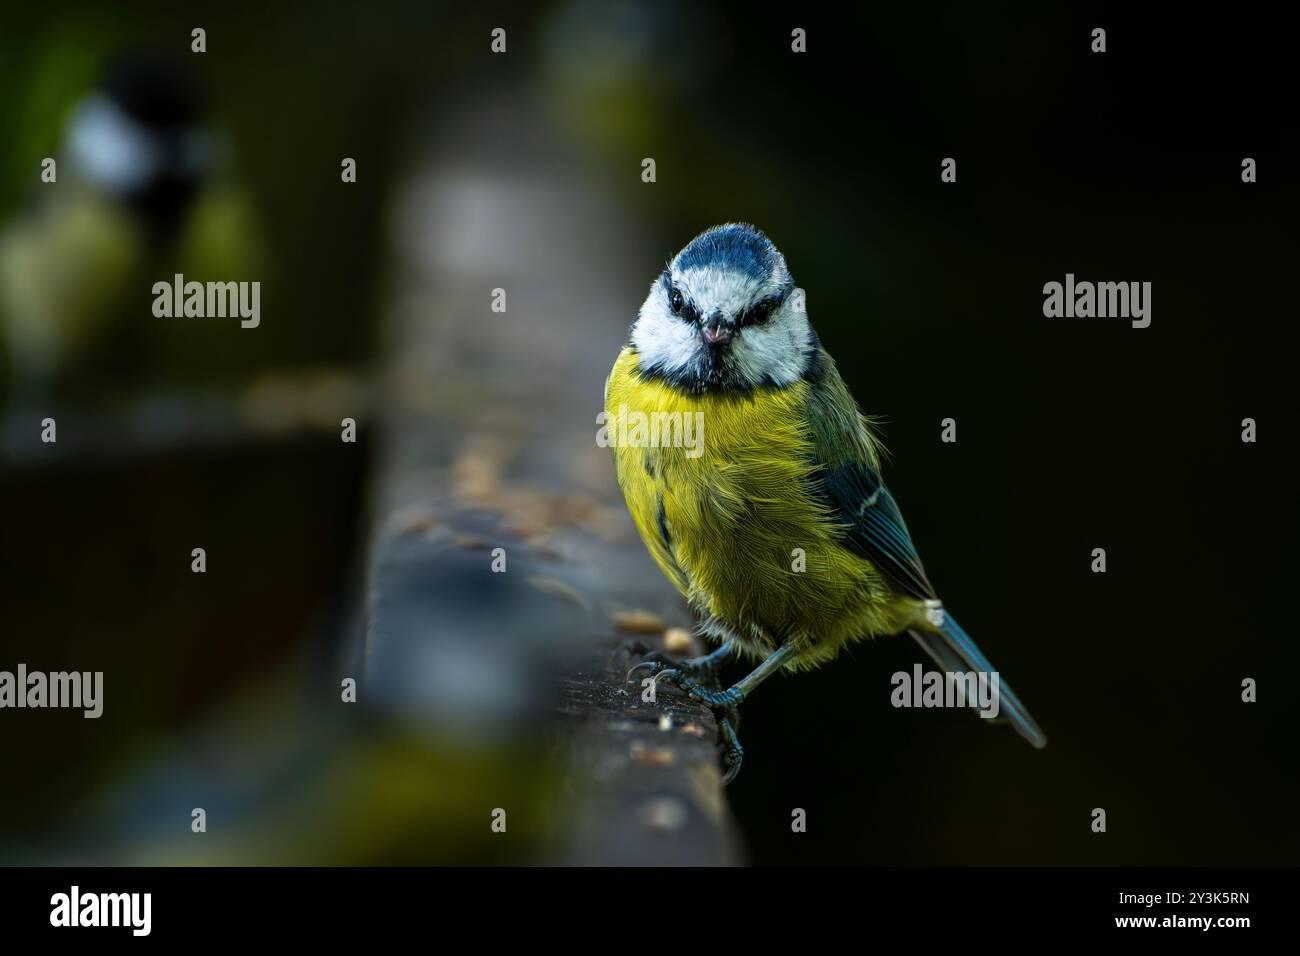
{"x": 489, "y": 442}
{"x": 648, "y": 781}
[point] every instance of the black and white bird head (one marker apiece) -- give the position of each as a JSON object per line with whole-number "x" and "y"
{"x": 139, "y": 137}
{"x": 725, "y": 316}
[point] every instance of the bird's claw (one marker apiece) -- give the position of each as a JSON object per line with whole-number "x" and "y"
{"x": 655, "y": 665}
{"x": 733, "y": 755}
{"x": 704, "y": 668}
{"x": 692, "y": 677}
{"x": 719, "y": 699}
{"x": 725, "y": 705}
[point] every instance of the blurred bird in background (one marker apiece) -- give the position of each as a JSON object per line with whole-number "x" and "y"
{"x": 789, "y": 466}
{"x": 140, "y": 191}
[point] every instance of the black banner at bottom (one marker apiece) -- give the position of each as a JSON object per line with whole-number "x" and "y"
{"x": 331, "y": 906}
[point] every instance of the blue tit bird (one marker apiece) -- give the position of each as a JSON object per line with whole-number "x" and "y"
{"x": 785, "y": 465}
{"x": 136, "y": 200}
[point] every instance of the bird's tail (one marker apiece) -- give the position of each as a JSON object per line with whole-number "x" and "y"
{"x": 954, "y": 651}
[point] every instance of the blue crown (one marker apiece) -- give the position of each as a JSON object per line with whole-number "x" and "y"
{"x": 737, "y": 246}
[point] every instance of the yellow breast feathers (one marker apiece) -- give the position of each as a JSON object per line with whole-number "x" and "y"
{"x": 724, "y": 490}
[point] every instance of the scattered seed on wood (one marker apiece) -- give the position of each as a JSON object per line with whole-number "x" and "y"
{"x": 677, "y": 640}
{"x": 638, "y": 622}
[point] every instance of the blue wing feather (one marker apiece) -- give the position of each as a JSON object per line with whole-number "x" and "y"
{"x": 873, "y": 526}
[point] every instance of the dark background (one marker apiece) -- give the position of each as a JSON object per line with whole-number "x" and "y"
{"x": 1072, "y": 434}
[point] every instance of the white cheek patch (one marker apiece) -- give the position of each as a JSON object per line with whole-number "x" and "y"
{"x": 774, "y": 351}
{"x": 108, "y": 147}
{"x": 663, "y": 340}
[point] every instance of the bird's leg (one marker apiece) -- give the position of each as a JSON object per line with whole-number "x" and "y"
{"x": 728, "y": 702}
{"x": 704, "y": 668}
{"x": 737, "y": 692}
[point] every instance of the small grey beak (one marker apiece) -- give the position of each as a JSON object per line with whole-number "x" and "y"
{"x": 716, "y": 329}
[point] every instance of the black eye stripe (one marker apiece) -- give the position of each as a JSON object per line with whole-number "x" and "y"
{"x": 680, "y": 305}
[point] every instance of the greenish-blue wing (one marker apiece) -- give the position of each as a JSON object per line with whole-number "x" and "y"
{"x": 873, "y": 527}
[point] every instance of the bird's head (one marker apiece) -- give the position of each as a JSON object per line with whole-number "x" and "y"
{"x": 725, "y": 316}
{"x": 139, "y": 137}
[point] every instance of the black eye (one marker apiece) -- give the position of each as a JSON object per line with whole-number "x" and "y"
{"x": 675, "y": 302}
{"x": 759, "y": 314}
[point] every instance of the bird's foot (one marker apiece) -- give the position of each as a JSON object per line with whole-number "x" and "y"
{"x": 702, "y": 668}
{"x": 726, "y": 705}
{"x": 697, "y": 677}
{"x": 727, "y": 700}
